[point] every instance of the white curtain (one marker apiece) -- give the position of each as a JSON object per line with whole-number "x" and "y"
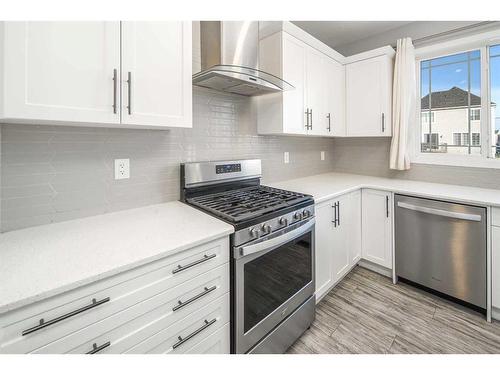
{"x": 403, "y": 104}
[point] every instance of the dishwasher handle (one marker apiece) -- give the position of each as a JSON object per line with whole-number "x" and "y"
{"x": 436, "y": 211}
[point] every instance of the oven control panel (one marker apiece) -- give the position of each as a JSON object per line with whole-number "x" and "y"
{"x": 227, "y": 168}
{"x": 268, "y": 227}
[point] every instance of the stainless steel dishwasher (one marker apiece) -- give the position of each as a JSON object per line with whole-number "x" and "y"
{"x": 442, "y": 246}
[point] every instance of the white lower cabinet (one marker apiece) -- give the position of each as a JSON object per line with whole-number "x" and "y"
{"x": 171, "y": 305}
{"x": 376, "y": 239}
{"x": 495, "y": 267}
{"x": 338, "y": 224}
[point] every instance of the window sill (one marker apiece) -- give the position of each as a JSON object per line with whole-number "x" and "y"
{"x": 456, "y": 161}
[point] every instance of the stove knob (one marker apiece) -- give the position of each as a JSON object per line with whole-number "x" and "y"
{"x": 266, "y": 228}
{"x": 306, "y": 213}
{"x": 253, "y": 232}
{"x": 297, "y": 216}
{"x": 283, "y": 221}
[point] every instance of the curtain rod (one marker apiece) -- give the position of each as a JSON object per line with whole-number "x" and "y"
{"x": 458, "y": 30}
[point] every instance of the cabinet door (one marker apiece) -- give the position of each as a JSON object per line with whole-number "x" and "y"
{"x": 294, "y": 70}
{"x": 341, "y": 256}
{"x": 334, "y": 111}
{"x": 367, "y": 91}
{"x": 156, "y": 73}
{"x": 355, "y": 228}
{"x": 61, "y": 71}
{"x": 495, "y": 267}
{"x": 376, "y": 227}
{"x": 324, "y": 246}
{"x": 315, "y": 91}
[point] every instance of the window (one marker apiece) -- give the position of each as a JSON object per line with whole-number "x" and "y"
{"x": 451, "y": 85}
{"x": 475, "y": 114}
{"x": 454, "y": 105}
{"x": 476, "y": 139}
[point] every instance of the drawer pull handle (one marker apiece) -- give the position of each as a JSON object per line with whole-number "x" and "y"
{"x": 44, "y": 323}
{"x": 204, "y": 259}
{"x": 96, "y": 349}
{"x": 193, "y": 334}
{"x": 192, "y": 299}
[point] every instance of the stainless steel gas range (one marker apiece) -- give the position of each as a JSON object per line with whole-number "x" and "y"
{"x": 272, "y": 260}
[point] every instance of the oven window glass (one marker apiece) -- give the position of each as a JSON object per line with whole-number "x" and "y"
{"x": 274, "y": 277}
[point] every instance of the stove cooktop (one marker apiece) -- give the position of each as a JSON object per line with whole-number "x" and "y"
{"x": 243, "y": 204}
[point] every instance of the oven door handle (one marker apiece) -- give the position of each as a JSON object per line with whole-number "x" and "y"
{"x": 274, "y": 242}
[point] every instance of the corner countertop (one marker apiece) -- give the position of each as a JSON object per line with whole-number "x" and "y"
{"x": 330, "y": 185}
{"x": 39, "y": 262}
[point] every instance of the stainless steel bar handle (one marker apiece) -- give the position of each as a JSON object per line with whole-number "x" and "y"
{"x": 334, "y": 221}
{"x": 44, "y": 324}
{"x": 387, "y": 206}
{"x": 183, "y": 268}
{"x": 329, "y": 116}
{"x": 193, "y": 334}
{"x": 307, "y": 118}
{"x": 338, "y": 214}
{"x": 192, "y": 299}
{"x": 96, "y": 349}
{"x": 383, "y": 122}
{"x": 311, "y": 113}
{"x": 129, "y": 86}
{"x": 115, "y": 90}
{"x": 436, "y": 211}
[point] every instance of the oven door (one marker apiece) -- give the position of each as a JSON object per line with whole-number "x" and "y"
{"x": 272, "y": 278}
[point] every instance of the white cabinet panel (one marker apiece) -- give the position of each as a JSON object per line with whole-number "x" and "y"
{"x": 355, "y": 227}
{"x": 324, "y": 236}
{"x": 334, "y": 110}
{"x": 315, "y": 91}
{"x": 495, "y": 267}
{"x": 368, "y": 97}
{"x": 341, "y": 253}
{"x": 377, "y": 227}
{"x": 61, "y": 71}
{"x": 156, "y": 73}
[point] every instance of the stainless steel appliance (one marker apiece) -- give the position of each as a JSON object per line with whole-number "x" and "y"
{"x": 442, "y": 246}
{"x": 230, "y": 59}
{"x": 272, "y": 251}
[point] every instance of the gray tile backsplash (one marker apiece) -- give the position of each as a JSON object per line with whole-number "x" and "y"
{"x": 57, "y": 173}
{"x": 370, "y": 156}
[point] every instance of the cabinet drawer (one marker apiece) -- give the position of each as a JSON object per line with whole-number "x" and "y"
{"x": 168, "y": 306}
{"x": 123, "y": 290}
{"x": 186, "y": 333}
{"x": 495, "y": 216}
{"x": 216, "y": 343}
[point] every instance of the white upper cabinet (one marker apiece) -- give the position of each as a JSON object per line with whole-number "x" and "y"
{"x": 76, "y": 72}
{"x": 376, "y": 223}
{"x": 61, "y": 71}
{"x": 333, "y": 120}
{"x": 318, "y": 82}
{"x": 369, "y": 97}
{"x": 156, "y": 73}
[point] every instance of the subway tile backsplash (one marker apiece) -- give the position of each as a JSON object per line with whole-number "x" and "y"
{"x": 57, "y": 173}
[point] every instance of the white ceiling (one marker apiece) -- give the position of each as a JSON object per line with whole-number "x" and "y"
{"x": 338, "y": 33}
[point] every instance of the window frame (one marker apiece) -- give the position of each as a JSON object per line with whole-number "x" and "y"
{"x": 479, "y": 42}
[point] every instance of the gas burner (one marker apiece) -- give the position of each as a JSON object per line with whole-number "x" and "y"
{"x": 247, "y": 203}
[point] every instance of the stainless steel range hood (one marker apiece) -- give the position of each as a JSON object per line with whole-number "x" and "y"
{"x": 230, "y": 59}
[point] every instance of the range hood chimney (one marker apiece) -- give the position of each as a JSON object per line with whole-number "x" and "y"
{"x": 230, "y": 59}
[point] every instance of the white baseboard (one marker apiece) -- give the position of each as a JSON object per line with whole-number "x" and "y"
{"x": 495, "y": 313}
{"x": 375, "y": 268}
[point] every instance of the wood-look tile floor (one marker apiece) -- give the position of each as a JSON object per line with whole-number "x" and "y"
{"x": 366, "y": 313}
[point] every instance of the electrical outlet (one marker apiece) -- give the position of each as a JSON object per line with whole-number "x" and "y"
{"x": 286, "y": 157}
{"x": 322, "y": 155}
{"x": 122, "y": 169}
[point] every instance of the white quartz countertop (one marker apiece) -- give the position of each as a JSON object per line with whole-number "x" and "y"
{"x": 329, "y": 185}
{"x": 39, "y": 262}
